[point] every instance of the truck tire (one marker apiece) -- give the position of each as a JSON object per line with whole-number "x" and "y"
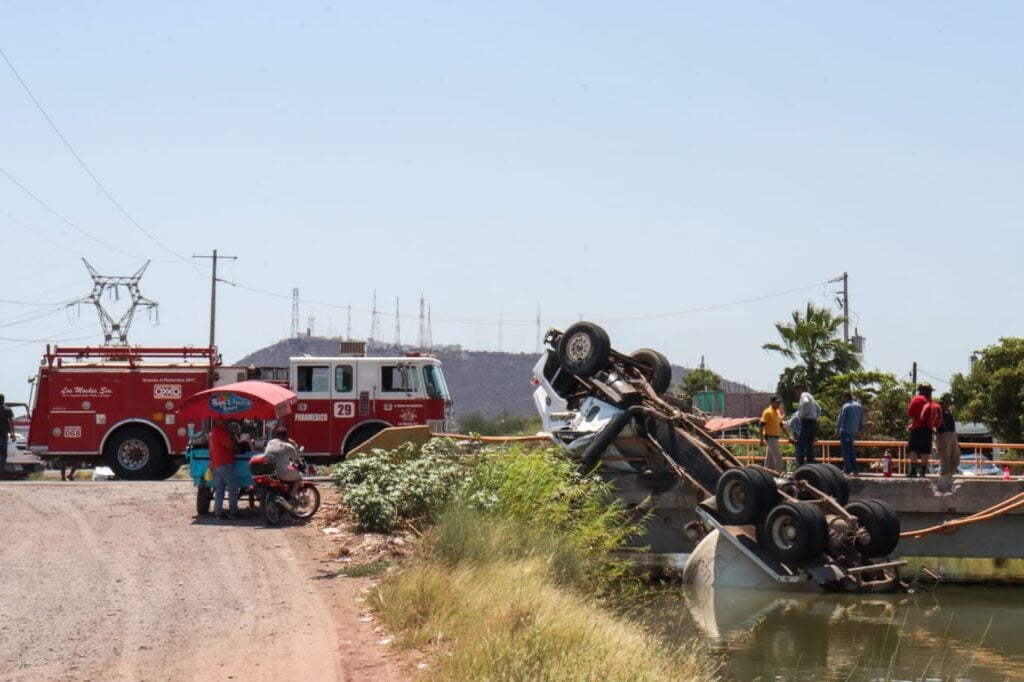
{"x": 362, "y": 434}
{"x": 203, "y": 498}
{"x": 882, "y": 525}
{"x": 741, "y": 497}
{"x": 658, "y": 370}
{"x": 135, "y": 453}
{"x": 172, "y": 468}
{"x": 794, "y": 532}
{"x": 826, "y": 478}
{"x": 583, "y": 349}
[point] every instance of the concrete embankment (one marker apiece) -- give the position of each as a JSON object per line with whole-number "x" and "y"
{"x": 990, "y": 550}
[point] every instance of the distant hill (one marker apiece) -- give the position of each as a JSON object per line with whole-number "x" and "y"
{"x": 479, "y": 381}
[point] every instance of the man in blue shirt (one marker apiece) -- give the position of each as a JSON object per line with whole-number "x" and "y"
{"x": 848, "y": 426}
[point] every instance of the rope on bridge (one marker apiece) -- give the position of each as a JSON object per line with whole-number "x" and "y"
{"x": 992, "y": 512}
{"x": 494, "y": 439}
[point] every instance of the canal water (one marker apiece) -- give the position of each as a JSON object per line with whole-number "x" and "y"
{"x": 951, "y": 633}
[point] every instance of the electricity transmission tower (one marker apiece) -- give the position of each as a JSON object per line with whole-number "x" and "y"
{"x": 375, "y": 321}
{"x": 120, "y": 327}
{"x": 398, "y": 326}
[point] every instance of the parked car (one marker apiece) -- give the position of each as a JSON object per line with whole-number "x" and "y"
{"x": 973, "y": 465}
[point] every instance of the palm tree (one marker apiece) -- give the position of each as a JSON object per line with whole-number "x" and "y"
{"x": 812, "y": 340}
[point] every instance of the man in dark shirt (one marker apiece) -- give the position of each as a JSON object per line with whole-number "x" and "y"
{"x": 945, "y": 439}
{"x": 6, "y": 429}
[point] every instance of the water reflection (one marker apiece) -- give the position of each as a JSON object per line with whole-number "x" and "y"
{"x": 954, "y": 633}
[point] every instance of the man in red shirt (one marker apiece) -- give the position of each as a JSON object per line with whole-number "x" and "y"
{"x": 920, "y": 443}
{"x": 222, "y": 462}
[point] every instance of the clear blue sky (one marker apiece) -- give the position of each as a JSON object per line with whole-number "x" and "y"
{"x": 601, "y": 160}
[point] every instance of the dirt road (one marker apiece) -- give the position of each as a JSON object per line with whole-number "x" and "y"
{"x": 119, "y": 580}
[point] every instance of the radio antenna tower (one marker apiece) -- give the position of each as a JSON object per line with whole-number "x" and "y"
{"x": 430, "y": 332}
{"x": 538, "y": 326}
{"x": 375, "y": 321}
{"x": 295, "y": 313}
{"x": 119, "y": 328}
{"x": 422, "y": 340}
{"x": 398, "y": 326}
{"x": 348, "y": 325}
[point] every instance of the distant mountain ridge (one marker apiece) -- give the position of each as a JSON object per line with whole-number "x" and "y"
{"x": 479, "y": 381}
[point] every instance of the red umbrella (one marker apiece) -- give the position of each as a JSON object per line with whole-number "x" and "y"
{"x": 243, "y": 400}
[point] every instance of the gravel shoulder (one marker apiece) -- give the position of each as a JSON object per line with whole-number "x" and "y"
{"x": 118, "y": 580}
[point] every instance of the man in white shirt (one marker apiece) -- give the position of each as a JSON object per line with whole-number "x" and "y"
{"x": 808, "y": 412}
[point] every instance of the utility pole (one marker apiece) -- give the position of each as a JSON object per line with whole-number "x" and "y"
{"x": 913, "y": 374}
{"x": 845, "y": 305}
{"x": 213, "y": 291}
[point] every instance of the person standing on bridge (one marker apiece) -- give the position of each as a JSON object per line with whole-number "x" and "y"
{"x": 6, "y": 429}
{"x": 808, "y": 411}
{"x": 945, "y": 439}
{"x": 222, "y": 461}
{"x": 771, "y": 429}
{"x": 848, "y": 427}
{"x": 919, "y": 446}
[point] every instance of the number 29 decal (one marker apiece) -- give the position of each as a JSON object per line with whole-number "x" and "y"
{"x": 344, "y": 409}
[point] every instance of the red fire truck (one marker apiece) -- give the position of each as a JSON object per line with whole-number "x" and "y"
{"x": 116, "y": 405}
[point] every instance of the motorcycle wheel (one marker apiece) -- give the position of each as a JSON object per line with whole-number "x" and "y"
{"x": 271, "y": 510}
{"x": 307, "y": 501}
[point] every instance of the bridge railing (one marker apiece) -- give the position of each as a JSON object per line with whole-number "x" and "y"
{"x": 750, "y": 450}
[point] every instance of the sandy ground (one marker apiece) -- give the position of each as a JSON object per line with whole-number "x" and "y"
{"x": 122, "y": 581}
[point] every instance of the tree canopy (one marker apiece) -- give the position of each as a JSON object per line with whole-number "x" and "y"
{"x": 883, "y": 397}
{"x": 697, "y": 380}
{"x": 811, "y": 339}
{"x": 993, "y": 391}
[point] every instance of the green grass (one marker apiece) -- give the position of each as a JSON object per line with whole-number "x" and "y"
{"x": 500, "y": 614}
{"x": 366, "y": 570}
{"x": 515, "y": 580}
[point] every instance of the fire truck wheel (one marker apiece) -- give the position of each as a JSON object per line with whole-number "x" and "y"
{"x": 136, "y": 454}
{"x": 794, "y": 532}
{"x": 361, "y": 435}
{"x": 740, "y": 497}
{"x": 172, "y": 468}
{"x": 203, "y": 498}
{"x": 583, "y": 349}
{"x": 658, "y": 370}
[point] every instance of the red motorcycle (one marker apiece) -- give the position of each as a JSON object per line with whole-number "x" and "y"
{"x": 274, "y": 494}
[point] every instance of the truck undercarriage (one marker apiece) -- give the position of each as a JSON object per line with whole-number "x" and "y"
{"x": 607, "y": 408}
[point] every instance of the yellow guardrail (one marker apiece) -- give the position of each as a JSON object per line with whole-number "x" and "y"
{"x": 830, "y": 452}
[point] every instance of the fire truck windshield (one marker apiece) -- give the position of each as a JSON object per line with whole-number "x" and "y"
{"x": 433, "y": 381}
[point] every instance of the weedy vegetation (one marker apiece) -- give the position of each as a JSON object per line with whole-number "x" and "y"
{"x": 516, "y": 576}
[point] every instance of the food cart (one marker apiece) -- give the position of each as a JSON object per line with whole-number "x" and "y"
{"x": 259, "y": 401}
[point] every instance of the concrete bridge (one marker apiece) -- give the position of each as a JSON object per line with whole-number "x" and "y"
{"x": 992, "y": 550}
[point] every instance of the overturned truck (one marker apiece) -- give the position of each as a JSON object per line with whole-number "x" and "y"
{"x": 605, "y": 407}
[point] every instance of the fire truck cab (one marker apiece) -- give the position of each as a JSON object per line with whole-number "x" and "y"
{"x": 117, "y": 405}
{"x": 344, "y": 401}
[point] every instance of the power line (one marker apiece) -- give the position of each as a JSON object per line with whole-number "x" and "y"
{"x": 9, "y": 302}
{"x": 56, "y": 337}
{"x": 67, "y": 222}
{"x": 83, "y": 164}
{"x": 530, "y": 323}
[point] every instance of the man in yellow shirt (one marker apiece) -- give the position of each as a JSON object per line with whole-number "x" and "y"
{"x": 771, "y": 429}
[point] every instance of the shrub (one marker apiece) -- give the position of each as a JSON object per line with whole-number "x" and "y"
{"x": 410, "y": 483}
